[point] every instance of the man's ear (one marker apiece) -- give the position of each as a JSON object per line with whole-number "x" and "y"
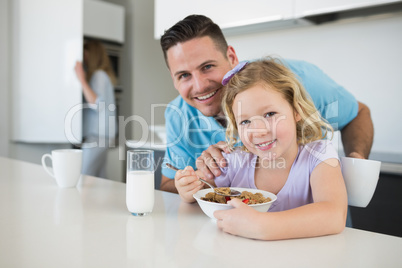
{"x": 231, "y": 55}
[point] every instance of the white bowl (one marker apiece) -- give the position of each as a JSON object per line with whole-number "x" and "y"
{"x": 209, "y": 207}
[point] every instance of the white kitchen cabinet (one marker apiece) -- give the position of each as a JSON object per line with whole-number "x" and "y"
{"x": 104, "y": 21}
{"x": 305, "y": 8}
{"x": 240, "y": 16}
{"x": 228, "y": 14}
{"x": 47, "y": 40}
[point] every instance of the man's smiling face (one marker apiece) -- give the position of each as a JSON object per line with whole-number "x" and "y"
{"x": 197, "y": 68}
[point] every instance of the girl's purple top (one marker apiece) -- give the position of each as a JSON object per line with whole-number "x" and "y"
{"x": 297, "y": 191}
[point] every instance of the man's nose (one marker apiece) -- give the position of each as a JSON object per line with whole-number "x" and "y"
{"x": 199, "y": 82}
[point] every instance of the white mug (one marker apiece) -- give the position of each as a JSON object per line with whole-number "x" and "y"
{"x": 67, "y": 164}
{"x": 361, "y": 177}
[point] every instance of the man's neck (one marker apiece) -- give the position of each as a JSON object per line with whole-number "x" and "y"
{"x": 221, "y": 119}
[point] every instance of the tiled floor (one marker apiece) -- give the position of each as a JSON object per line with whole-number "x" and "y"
{"x": 384, "y": 213}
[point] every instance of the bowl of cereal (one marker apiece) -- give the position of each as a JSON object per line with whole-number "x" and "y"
{"x": 209, "y": 201}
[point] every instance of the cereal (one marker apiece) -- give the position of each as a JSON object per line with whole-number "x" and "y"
{"x": 246, "y": 197}
{"x": 223, "y": 190}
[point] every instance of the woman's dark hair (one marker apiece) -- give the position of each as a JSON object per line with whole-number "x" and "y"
{"x": 191, "y": 27}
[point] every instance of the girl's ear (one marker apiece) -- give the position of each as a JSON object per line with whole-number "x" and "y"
{"x": 297, "y": 116}
{"x": 296, "y": 113}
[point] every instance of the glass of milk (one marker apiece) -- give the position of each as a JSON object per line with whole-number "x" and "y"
{"x": 140, "y": 184}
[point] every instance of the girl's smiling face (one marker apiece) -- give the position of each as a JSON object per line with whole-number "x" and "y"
{"x": 266, "y": 123}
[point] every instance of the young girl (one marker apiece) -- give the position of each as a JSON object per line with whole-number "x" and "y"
{"x": 283, "y": 152}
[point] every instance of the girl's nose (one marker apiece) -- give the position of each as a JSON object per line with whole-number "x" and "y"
{"x": 260, "y": 126}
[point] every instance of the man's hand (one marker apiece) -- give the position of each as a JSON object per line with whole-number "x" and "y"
{"x": 357, "y": 136}
{"x": 211, "y": 159}
{"x": 356, "y": 155}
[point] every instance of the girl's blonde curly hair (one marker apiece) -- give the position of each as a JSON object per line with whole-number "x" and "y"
{"x": 271, "y": 72}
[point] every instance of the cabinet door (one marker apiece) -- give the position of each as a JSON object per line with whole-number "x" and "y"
{"x": 104, "y": 20}
{"x": 313, "y": 7}
{"x": 228, "y": 14}
{"x": 47, "y": 41}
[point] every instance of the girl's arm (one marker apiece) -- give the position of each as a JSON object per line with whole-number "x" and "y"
{"x": 327, "y": 215}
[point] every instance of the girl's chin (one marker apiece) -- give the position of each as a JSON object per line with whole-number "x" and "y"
{"x": 267, "y": 157}
{"x": 272, "y": 162}
{"x": 265, "y": 154}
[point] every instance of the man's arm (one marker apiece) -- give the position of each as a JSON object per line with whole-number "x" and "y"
{"x": 168, "y": 185}
{"x": 357, "y": 136}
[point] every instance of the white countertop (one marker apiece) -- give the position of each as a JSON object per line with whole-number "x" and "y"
{"x": 153, "y": 145}
{"x": 89, "y": 226}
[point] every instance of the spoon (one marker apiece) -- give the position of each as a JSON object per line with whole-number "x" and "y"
{"x": 216, "y": 190}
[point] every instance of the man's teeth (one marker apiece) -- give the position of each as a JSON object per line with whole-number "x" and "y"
{"x": 265, "y": 144}
{"x": 207, "y": 96}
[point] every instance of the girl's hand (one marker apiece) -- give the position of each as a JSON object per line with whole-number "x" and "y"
{"x": 187, "y": 184}
{"x": 242, "y": 220}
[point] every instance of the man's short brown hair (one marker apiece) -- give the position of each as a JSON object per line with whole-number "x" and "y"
{"x": 193, "y": 26}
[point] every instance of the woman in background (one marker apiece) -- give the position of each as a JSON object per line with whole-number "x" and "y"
{"x": 99, "y": 113}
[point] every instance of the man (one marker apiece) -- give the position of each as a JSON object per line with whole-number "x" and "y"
{"x": 198, "y": 57}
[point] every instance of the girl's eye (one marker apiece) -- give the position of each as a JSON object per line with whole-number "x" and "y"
{"x": 269, "y": 114}
{"x": 245, "y": 122}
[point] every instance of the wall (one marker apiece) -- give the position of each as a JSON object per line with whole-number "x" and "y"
{"x": 127, "y": 64}
{"x": 4, "y": 79}
{"x": 362, "y": 54}
{"x": 149, "y": 77}
{"x": 151, "y": 80}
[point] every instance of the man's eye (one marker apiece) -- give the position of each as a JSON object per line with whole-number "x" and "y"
{"x": 207, "y": 67}
{"x": 245, "y": 122}
{"x": 183, "y": 76}
{"x": 270, "y": 114}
